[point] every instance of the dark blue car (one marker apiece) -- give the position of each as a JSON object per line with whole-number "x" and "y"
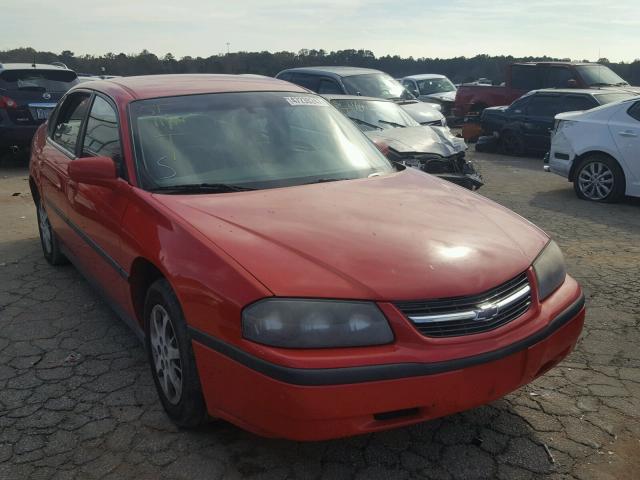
{"x": 28, "y": 94}
{"x": 526, "y": 124}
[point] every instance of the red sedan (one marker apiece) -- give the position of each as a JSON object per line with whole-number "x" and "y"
{"x": 281, "y": 272}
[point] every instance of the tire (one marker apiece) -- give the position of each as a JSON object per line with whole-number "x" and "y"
{"x": 599, "y": 178}
{"x": 511, "y": 143}
{"x": 171, "y": 358}
{"x": 48, "y": 239}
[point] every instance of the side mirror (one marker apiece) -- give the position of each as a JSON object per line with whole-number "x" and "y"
{"x": 414, "y": 92}
{"x": 571, "y": 83}
{"x": 93, "y": 171}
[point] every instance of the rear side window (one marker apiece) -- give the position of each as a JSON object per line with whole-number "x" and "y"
{"x": 307, "y": 81}
{"x": 544, "y": 106}
{"x": 102, "y": 137}
{"x": 38, "y": 80}
{"x": 634, "y": 111}
{"x": 69, "y": 120}
{"x": 573, "y": 103}
{"x": 526, "y": 77}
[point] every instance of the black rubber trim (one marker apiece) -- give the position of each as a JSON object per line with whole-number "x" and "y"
{"x": 89, "y": 241}
{"x": 372, "y": 373}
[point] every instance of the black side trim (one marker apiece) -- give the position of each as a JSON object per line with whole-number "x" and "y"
{"x": 105, "y": 256}
{"x": 371, "y": 373}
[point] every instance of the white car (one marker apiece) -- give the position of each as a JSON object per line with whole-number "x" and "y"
{"x": 599, "y": 151}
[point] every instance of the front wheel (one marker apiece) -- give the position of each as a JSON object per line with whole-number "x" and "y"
{"x": 599, "y": 178}
{"x": 48, "y": 240}
{"x": 171, "y": 357}
{"x": 511, "y": 143}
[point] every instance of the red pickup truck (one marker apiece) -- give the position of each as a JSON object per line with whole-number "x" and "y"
{"x": 524, "y": 77}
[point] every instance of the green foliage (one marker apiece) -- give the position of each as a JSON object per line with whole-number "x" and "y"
{"x": 458, "y": 69}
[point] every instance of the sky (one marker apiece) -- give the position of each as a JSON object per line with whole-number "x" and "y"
{"x": 585, "y": 29}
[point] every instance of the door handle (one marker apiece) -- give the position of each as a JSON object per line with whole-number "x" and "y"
{"x": 628, "y": 133}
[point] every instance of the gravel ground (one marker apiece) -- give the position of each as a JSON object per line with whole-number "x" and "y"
{"x": 77, "y": 399}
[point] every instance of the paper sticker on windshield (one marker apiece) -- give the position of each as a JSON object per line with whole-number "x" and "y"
{"x": 306, "y": 101}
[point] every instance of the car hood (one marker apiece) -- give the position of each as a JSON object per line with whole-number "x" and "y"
{"x": 420, "y": 139}
{"x": 627, "y": 88}
{"x": 405, "y": 235}
{"x": 422, "y": 112}
{"x": 443, "y": 96}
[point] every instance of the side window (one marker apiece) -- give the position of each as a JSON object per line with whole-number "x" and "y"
{"x": 69, "y": 120}
{"x": 573, "y": 103}
{"x": 634, "y": 111}
{"x": 544, "y": 106}
{"x": 519, "y": 106}
{"x": 329, "y": 86}
{"x": 558, "y": 77}
{"x": 101, "y": 136}
{"x": 526, "y": 77}
{"x": 306, "y": 81}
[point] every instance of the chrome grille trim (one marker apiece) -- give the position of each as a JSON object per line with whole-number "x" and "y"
{"x": 470, "y": 315}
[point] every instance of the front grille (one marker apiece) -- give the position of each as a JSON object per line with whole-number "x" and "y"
{"x": 452, "y": 317}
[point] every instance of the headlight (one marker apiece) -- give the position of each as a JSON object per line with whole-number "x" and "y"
{"x": 300, "y": 323}
{"x": 550, "y": 270}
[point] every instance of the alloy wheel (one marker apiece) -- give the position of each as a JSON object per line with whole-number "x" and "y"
{"x": 166, "y": 354}
{"x": 596, "y": 181}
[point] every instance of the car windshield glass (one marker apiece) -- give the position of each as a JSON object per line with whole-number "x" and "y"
{"x": 594, "y": 75}
{"x": 613, "y": 97}
{"x": 39, "y": 80}
{"x": 435, "y": 85}
{"x": 379, "y": 85}
{"x": 249, "y": 140}
{"x": 374, "y": 114}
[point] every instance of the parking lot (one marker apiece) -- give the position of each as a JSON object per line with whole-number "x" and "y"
{"x": 77, "y": 399}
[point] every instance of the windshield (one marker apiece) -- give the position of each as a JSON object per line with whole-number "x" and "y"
{"x": 435, "y": 85}
{"x": 599, "y": 75}
{"x": 38, "y": 80}
{"x": 378, "y": 85}
{"x": 374, "y": 114}
{"x": 249, "y": 140}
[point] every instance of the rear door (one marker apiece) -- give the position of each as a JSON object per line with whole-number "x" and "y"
{"x": 59, "y": 150}
{"x": 539, "y": 118}
{"x": 35, "y": 91}
{"x": 625, "y": 129}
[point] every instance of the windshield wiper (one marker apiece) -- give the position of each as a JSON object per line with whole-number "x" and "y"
{"x": 202, "y": 188}
{"x": 393, "y": 124}
{"x": 362, "y": 122}
{"x": 326, "y": 180}
{"x": 601, "y": 84}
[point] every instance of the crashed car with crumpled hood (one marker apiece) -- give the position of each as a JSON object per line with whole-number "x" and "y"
{"x": 433, "y": 150}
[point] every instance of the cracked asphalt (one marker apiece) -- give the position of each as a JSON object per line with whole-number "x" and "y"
{"x": 77, "y": 400}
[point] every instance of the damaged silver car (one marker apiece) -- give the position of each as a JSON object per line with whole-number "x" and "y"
{"x": 434, "y": 150}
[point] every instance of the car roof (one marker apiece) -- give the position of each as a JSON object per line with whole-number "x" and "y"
{"x": 581, "y": 91}
{"x": 155, "y": 86}
{"x": 355, "y": 97}
{"x": 424, "y": 76}
{"x": 335, "y": 71}
{"x": 558, "y": 63}
{"x": 30, "y": 66}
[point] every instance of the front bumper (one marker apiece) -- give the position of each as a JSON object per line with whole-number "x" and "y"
{"x": 323, "y": 403}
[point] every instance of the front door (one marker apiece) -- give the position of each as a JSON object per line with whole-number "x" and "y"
{"x": 98, "y": 210}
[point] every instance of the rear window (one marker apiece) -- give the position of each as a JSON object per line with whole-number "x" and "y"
{"x": 38, "y": 80}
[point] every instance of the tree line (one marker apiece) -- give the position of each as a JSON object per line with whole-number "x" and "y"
{"x": 458, "y": 69}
